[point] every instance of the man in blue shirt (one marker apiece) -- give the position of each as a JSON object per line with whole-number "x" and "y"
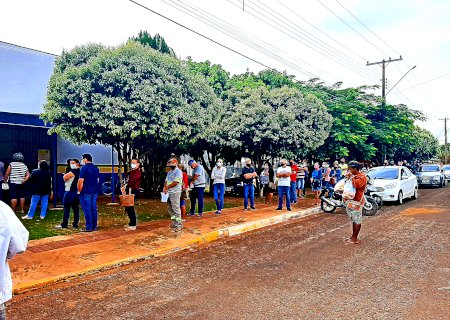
{"x": 88, "y": 189}
{"x": 198, "y": 184}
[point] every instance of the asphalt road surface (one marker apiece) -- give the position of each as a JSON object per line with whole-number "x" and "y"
{"x": 296, "y": 270}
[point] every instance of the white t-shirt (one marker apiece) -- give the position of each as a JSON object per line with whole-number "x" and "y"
{"x": 284, "y": 181}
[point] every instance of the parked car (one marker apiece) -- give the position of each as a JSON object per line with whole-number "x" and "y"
{"x": 398, "y": 182}
{"x": 431, "y": 175}
{"x": 446, "y": 169}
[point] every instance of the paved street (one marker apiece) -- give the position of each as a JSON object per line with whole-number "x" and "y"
{"x": 296, "y": 270}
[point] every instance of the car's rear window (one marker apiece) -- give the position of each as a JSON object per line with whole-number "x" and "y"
{"x": 429, "y": 169}
{"x": 446, "y": 167}
{"x": 383, "y": 173}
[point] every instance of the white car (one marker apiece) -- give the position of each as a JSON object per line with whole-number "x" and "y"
{"x": 398, "y": 183}
{"x": 447, "y": 172}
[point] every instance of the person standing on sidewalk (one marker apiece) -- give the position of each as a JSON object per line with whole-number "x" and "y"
{"x": 13, "y": 240}
{"x": 71, "y": 199}
{"x": 267, "y": 182}
{"x": 316, "y": 181}
{"x": 293, "y": 187}
{"x": 354, "y": 206}
{"x": 41, "y": 189}
{"x": 17, "y": 174}
{"x": 300, "y": 179}
{"x": 219, "y": 173}
{"x": 184, "y": 191}
{"x": 173, "y": 186}
{"x": 88, "y": 187}
{"x": 198, "y": 184}
{"x": 248, "y": 175}
{"x": 284, "y": 184}
{"x": 133, "y": 185}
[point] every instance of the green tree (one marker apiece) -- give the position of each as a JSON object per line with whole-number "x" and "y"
{"x": 279, "y": 122}
{"x": 131, "y": 97}
{"x": 157, "y": 42}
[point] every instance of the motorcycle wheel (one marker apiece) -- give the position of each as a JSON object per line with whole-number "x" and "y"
{"x": 328, "y": 208}
{"x": 379, "y": 200}
{"x": 370, "y": 208}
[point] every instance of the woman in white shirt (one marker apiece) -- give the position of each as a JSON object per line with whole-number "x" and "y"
{"x": 218, "y": 175}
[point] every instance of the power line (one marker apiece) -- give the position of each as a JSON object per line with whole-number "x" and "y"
{"x": 297, "y": 38}
{"x": 420, "y": 84}
{"x": 365, "y": 26}
{"x": 201, "y": 35}
{"x": 235, "y": 33}
{"x": 348, "y": 25}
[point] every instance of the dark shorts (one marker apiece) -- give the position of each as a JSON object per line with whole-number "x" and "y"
{"x": 267, "y": 190}
{"x": 16, "y": 191}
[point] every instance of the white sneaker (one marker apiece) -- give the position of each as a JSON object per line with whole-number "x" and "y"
{"x": 130, "y": 228}
{"x": 26, "y": 217}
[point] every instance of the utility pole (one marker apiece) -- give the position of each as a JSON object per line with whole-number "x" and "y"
{"x": 445, "y": 139}
{"x": 384, "y": 64}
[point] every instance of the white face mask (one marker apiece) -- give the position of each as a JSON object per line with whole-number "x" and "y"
{"x": 133, "y": 166}
{"x": 266, "y": 167}
{"x": 219, "y": 164}
{"x": 73, "y": 166}
{"x": 83, "y": 163}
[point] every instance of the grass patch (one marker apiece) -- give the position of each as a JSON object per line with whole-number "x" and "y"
{"x": 110, "y": 217}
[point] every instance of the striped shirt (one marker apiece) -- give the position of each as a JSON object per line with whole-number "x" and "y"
{"x": 18, "y": 172}
{"x": 2, "y": 169}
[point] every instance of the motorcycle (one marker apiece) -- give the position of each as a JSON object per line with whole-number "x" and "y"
{"x": 332, "y": 199}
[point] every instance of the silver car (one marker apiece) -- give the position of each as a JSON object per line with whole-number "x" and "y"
{"x": 447, "y": 172}
{"x": 431, "y": 175}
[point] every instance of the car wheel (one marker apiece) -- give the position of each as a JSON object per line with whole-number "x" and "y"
{"x": 400, "y": 198}
{"x": 416, "y": 193}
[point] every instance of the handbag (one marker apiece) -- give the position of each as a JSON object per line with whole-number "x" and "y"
{"x": 5, "y": 186}
{"x": 127, "y": 200}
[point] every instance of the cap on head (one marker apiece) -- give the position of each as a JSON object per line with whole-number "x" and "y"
{"x": 172, "y": 162}
{"x": 190, "y": 162}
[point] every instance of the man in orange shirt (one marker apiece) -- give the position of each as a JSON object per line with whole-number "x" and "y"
{"x": 355, "y": 205}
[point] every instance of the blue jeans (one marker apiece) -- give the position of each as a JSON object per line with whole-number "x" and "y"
{"x": 71, "y": 201}
{"x": 284, "y": 191}
{"x": 219, "y": 194}
{"x": 197, "y": 194}
{"x": 89, "y": 206}
{"x": 300, "y": 184}
{"x": 249, "y": 190}
{"x": 35, "y": 198}
{"x": 293, "y": 191}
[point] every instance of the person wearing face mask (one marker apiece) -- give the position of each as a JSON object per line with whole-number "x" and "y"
{"x": 316, "y": 181}
{"x": 198, "y": 184}
{"x": 247, "y": 176}
{"x": 267, "y": 182}
{"x": 218, "y": 175}
{"x": 335, "y": 174}
{"x": 344, "y": 167}
{"x": 71, "y": 199}
{"x": 173, "y": 185}
{"x": 284, "y": 184}
{"x": 133, "y": 185}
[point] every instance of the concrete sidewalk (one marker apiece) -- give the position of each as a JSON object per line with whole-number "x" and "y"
{"x": 58, "y": 258}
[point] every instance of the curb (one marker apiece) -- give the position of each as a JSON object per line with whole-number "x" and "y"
{"x": 200, "y": 240}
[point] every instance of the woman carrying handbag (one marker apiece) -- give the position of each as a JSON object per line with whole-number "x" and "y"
{"x": 132, "y": 187}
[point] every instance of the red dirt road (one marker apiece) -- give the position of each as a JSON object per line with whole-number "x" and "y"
{"x": 296, "y": 270}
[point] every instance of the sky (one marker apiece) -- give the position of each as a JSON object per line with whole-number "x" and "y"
{"x": 329, "y": 39}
